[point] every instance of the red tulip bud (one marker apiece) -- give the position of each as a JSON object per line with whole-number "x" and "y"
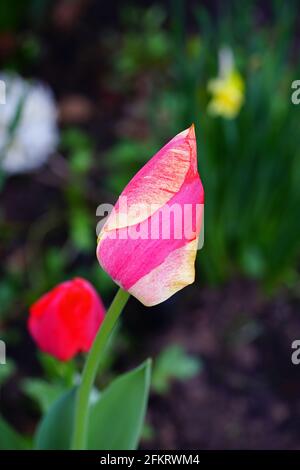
{"x": 65, "y": 320}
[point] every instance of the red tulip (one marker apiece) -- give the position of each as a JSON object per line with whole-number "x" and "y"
{"x": 65, "y": 320}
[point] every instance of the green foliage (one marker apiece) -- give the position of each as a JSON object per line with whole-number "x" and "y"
{"x": 10, "y": 16}
{"x": 173, "y": 363}
{"x": 124, "y": 160}
{"x": 2, "y": 179}
{"x": 6, "y": 371}
{"x": 112, "y": 426}
{"x": 61, "y": 376}
{"x": 54, "y": 263}
{"x": 148, "y": 432}
{"x": 146, "y": 43}
{"x": 250, "y": 174}
{"x": 58, "y": 371}
{"x": 80, "y": 147}
{"x": 42, "y": 392}
{"x": 9, "y": 439}
{"x": 14, "y": 15}
{"x": 249, "y": 165}
{"x": 82, "y": 230}
{"x": 101, "y": 279}
{"x": 7, "y": 295}
{"x": 54, "y": 431}
{"x": 116, "y": 419}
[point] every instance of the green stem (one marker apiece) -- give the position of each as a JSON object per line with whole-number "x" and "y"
{"x": 91, "y": 367}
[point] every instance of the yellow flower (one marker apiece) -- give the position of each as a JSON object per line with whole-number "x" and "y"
{"x": 227, "y": 91}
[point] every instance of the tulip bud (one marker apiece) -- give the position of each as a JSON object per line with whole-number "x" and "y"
{"x": 65, "y": 320}
{"x": 148, "y": 244}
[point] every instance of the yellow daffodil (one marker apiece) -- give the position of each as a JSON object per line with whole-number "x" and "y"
{"x": 227, "y": 90}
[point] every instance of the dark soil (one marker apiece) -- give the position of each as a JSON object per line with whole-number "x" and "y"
{"x": 248, "y": 395}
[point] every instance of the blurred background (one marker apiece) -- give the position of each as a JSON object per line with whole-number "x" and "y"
{"x": 93, "y": 90}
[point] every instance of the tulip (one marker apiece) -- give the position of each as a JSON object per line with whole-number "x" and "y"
{"x": 134, "y": 248}
{"x": 148, "y": 246}
{"x": 65, "y": 320}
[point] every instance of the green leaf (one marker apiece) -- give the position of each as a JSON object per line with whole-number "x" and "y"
{"x": 116, "y": 419}
{"x": 55, "y": 261}
{"x": 7, "y": 296}
{"x": 81, "y": 161}
{"x": 55, "y": 429}
{"x": 81, "y": 229}
{"x": 57, "y": 370}
{"x": 112, "y": 425}
{"x": 148, "y": 432}
{"x": 10, "y": 439}
{"x": 173, "y": 363}
{"x": 253, "y": 262}
{"x": 74, "y": 139}
{"x": 42, "y": 392}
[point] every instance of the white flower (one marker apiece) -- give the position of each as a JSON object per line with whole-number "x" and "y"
{"x": 28, "y": 125}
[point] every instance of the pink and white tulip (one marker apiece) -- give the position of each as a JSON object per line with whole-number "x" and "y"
{"x": 149, "y": 242}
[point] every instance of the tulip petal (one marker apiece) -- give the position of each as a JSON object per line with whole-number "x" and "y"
{"x": 157, "y": 181}
{"x": 127, "y": 259}
{"x": 65, "y": 320}
{"x": 175, "y": 273}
